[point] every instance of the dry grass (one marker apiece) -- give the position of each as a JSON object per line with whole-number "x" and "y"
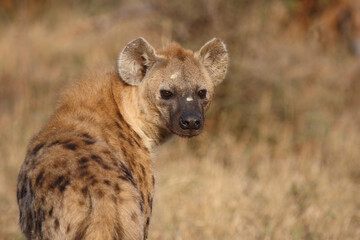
{"x": 280, "y": 158}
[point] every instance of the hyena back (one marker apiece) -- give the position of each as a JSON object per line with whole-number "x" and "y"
{"x": 88, "y": 174}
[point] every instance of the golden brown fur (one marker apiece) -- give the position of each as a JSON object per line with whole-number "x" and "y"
{"x": 88, "y": 174}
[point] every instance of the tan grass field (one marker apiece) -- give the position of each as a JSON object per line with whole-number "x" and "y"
{"x": 280, "y": 155}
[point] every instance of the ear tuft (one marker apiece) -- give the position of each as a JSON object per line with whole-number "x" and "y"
{"x": 135, "y": 60}
{"x": 214, "y": 57}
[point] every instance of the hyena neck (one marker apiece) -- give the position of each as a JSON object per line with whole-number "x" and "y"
{"x": 137, "y": 113}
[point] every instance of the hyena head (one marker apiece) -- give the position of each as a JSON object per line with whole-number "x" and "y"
{"x": 177, "y": 85}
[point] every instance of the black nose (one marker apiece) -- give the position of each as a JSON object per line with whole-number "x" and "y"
{"x": 190, "y": 121}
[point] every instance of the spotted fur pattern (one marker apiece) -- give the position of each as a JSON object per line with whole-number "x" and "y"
{"x": 88, "y": 174}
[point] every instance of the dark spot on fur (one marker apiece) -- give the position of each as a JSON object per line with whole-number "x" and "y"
{"x": 124, "y": 152}
{"x": 85, "y": 135}
{"x": 89, "y": 139}
{"x": 63, "y": 185}
{"x": 121, "y": 135}
{"x": 40, "y": 179}
{"x": 42, "y": 200}
{"x": 38, "y": 227}
{"x": 142, "y": 196}
{"x": 141, "y": 207}
{"x": 70, "y": 146}
{"x": 153, "y": 180}
{"x": 84, "y": 191}
{"x": 107, "y": 182}
{"x": 56, "y": 224}
{"x": 90, "y": 178}
{"x": 99, "y": 161}
{"x": 136, "y": 136}
{"x": 83, "y": 160}
{"x": 114, "y": 161}
{"x": 106, "y": 152}
{"x": 137, "y": 143}
{"x": 28, "y": 222}
{"x": 24, "y": 191}
{"x": 125, "y": 178}
{"x": 99, "y": 193}
{"x": 143, "y": 169}
{"x": 120, "y": 117}
{"x": 118, "y": 125}
{"x": 150, "y": 201}
{"x": 57, "y": 182}
{"x": 60, "y": 182}
{"x": 117, "y": 188}
{"x": 30, "y": 189}
{"x": 181, "y": 58}
{"x": 94, "y": 182}
{"x": 51, "y": 211}
{"x": 41, "y": 214}
{"x": 106, "y": 167}
{"x": 20, "y": 215}
{"x": 40, "y": 217}
{"x": 142, "y": 202}
{"x": 127, "y": 175}
{"x": 68, "y": 229}
{"x": 37, "y": 148}
{"x": 147, "y": 221}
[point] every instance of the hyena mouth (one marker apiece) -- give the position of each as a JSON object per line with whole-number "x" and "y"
{"x": 187, "y": 133}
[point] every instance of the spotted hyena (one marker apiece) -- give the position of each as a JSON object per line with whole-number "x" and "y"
{"x": 88, "y": 174}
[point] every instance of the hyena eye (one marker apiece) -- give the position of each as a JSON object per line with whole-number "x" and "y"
{"x": 202, "y": 93}
{"x": 165, "y": 94}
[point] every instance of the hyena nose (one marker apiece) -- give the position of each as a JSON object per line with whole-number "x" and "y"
{"x": 190, "y": 121}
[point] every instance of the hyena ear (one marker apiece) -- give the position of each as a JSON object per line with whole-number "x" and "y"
{"x": 135, "y": 60}
{"x": 214, "y": 57}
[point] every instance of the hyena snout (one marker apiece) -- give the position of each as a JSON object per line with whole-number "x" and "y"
{"x": 190, "y": 121}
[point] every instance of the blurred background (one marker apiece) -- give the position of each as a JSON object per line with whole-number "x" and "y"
{"x": 280, "y": 155}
